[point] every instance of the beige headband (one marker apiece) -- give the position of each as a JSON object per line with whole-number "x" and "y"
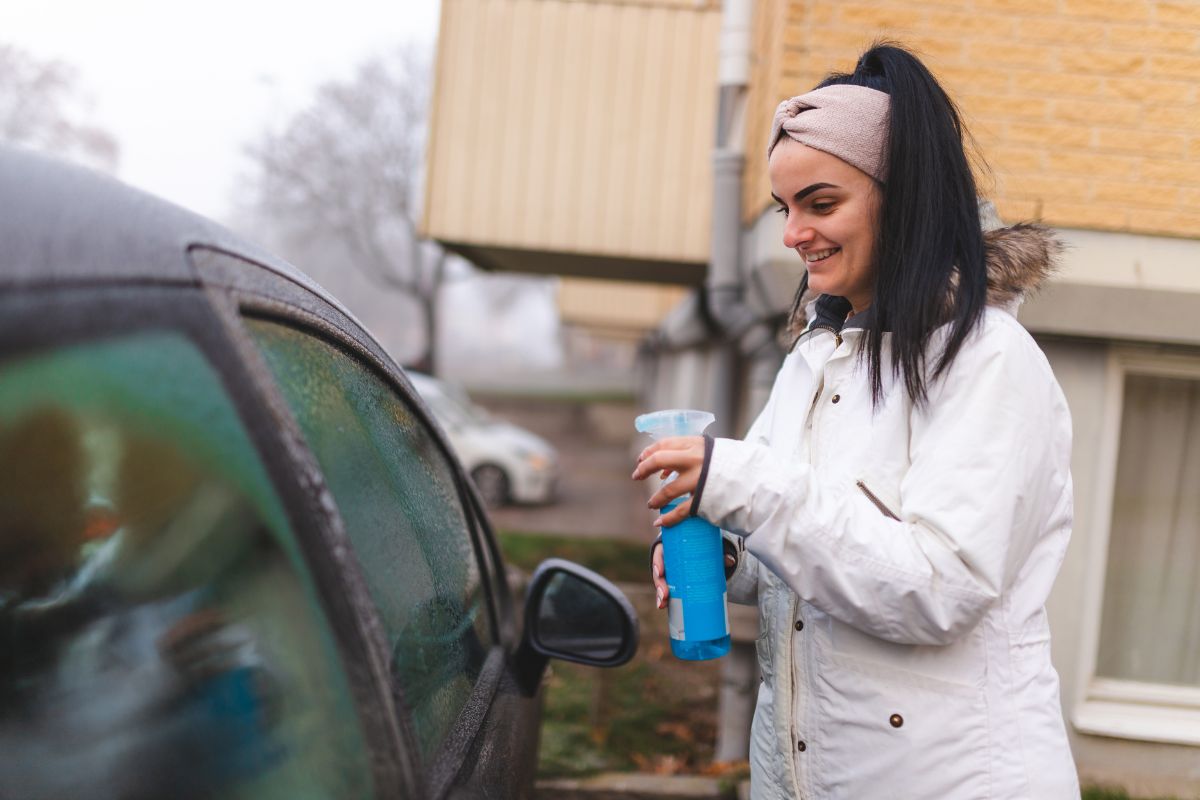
{"x": 850, "y": 122}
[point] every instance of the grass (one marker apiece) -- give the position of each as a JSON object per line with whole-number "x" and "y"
{"x": 1110, "y": 793}
{"x": 619, "y": 561}
{"x": 655, "y": 714}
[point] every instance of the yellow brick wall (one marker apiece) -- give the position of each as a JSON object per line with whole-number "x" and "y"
{"x": 1087, "y": 111}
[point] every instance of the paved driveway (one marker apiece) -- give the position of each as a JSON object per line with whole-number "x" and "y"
{"x": 596, "y": 496}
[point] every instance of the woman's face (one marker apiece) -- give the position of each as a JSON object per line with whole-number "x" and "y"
{"x": 832, "y": 212}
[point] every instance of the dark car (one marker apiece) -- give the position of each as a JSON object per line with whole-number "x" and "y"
{"x": 237, "y": 557}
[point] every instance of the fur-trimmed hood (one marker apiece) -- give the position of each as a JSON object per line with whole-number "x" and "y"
{"x": 1019, "y": 258}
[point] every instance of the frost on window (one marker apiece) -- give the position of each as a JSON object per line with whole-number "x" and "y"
{"x": 397, "y": 497}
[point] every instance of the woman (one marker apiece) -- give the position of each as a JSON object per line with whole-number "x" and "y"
{"x": 903, "y": 502}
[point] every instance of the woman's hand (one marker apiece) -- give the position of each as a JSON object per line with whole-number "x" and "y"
{"x": 658, "y": 575}
{"x": 681, "y": 454}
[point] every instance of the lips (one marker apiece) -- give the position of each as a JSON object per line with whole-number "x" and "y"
{"x": 820, "y": 255}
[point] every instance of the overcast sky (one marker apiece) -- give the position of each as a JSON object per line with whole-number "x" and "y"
{"x": 183, "y": 86}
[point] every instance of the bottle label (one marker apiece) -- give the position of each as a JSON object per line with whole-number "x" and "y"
{"x": 675, "y": 618}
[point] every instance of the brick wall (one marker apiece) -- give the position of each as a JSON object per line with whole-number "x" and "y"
{"x": 1087, "y": 111}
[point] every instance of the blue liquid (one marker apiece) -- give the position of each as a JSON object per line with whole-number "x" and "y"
{"x": 695, "y": 571}
{"x": 700, "y": 651}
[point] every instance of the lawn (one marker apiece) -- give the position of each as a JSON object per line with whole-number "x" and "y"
{"x": 619, "y": 560}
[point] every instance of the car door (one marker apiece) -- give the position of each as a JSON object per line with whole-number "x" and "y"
{"x": 441, "y": 603}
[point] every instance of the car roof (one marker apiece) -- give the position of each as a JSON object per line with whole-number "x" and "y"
{"x": 64, "y": 224}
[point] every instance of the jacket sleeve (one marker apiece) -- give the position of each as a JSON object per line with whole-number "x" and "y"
{"x": 989, "y": 474}
{"x": 742, "y": 584}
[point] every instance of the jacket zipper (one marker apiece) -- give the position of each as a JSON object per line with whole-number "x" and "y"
{"x": 887, "y": 512}
{"x": 837, "y": 336}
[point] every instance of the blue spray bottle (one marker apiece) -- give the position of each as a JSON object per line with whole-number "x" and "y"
{"x": 694, "y": 558}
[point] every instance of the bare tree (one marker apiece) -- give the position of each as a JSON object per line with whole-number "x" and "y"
{"x": 346, "y": 169}
{"x": 41, "y": 107}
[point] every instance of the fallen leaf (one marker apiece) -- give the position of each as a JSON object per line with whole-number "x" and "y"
{"x": 677, "y": 729}
{"x": 719, "y": 769}
{"x": 668, "y": 765}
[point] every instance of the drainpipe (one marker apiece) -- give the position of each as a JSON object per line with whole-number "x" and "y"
{"x": 725, "y": 284}
{"x": 753, "y": 338}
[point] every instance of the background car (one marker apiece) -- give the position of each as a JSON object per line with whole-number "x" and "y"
{"x": 507, "y": 463}
{"x": 237, "y": 559}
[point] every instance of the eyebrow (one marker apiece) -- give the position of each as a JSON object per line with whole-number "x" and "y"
{"x": 806, "y": 191}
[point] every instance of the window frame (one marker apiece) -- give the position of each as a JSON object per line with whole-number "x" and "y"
{"x": 45, "y": 318}
{"x": 447, "y": 761}
{"x": 1126, "y": 709}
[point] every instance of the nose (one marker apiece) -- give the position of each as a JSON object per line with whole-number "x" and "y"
{"x": 796, "y": 233}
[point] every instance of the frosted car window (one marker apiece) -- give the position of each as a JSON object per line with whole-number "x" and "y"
{"x": 159, "y": 635}
{"x": 397, "y": 496}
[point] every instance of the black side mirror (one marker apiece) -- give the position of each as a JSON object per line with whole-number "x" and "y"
{"x": 576, "y": 615}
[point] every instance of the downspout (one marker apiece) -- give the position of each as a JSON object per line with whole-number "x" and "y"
{"x": 725, "y": 284}
{"x": 738, "y": 324}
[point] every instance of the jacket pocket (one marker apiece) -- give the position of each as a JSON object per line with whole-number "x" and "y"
{"x": 926, "y": 738}
{"x": 879, "y": 503}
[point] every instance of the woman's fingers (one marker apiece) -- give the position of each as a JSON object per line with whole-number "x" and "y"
{"x": 684, "y": 484}
{"x": 676, "y": 454}
{"x": 676, "y": 515}
{"x": 669, "y": 443}
{"x": 658, "y": 575}
{"x": 663, "y": 461}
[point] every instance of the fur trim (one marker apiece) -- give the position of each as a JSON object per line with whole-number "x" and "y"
{"x": 1019, "y": 259}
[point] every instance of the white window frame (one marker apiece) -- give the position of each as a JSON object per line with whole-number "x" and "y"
{"x": 1121, "y": 708}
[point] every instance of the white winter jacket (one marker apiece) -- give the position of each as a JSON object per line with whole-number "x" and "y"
{"x": 900, "y": 558}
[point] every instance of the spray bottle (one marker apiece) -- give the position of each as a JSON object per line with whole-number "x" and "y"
{"x": 693, "y": 556}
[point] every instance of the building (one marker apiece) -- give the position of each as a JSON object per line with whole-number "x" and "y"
{"x": 623, "y": 140}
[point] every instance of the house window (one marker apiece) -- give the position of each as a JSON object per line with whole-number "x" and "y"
{"x": 1144, "y": 682}
{"x": 1150, "y": 624}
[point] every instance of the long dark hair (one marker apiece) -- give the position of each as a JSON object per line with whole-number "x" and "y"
{"x": 929, "y": 250}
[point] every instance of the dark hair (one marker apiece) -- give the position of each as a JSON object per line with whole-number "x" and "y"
{"x": 929, "y": 250}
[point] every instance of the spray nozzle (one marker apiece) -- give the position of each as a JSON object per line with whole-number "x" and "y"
{"x": 674, "y": 422}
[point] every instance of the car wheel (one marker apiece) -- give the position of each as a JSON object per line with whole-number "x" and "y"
{"x": 492, "y": 483}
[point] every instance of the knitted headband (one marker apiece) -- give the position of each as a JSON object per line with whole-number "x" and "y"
{"x": 850, "y": 122}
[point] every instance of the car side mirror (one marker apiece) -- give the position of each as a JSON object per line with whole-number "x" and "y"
{"x": 574, "y": 614}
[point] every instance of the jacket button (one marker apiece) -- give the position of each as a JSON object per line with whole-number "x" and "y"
{"x": 801, "y": 746}
{"x": 896, "y": 720}
{"x": 836, "y": 398}
{"x": 799, "y": 624}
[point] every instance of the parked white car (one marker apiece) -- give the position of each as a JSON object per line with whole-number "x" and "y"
{"x": 507, "y": 463}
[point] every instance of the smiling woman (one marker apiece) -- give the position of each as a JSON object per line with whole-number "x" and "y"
{"x": 901, "y": 506}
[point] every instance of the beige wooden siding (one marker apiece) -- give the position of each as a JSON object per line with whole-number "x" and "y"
{"x": 616, "y": 305}
{"x": 573, "y": 126}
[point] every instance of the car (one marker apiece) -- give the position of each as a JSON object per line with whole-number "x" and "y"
{"x": 237, "y": 556}
{"x": 508, "y": 464}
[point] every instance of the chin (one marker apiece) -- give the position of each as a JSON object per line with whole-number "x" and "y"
{"x": 822, "y": 286}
